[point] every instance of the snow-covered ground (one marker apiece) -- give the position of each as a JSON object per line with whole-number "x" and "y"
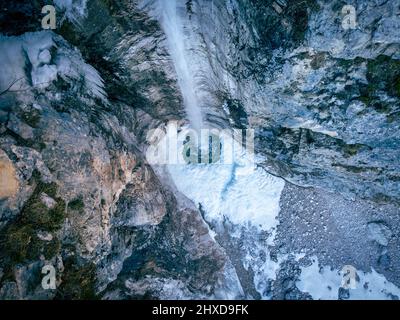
{"x": 238, "y": 191}
{"x": 241, "y": 192}
{"x": 73, "y": 10}
{"x": 248, "y": 197}
{"x": 324, "y": 283}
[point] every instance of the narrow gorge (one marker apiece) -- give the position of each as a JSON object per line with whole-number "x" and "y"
{"x": 200, "y": 149}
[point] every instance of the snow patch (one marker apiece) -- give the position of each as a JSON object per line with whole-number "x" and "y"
{"x": 47, "y": 56}
{"x": 323, "y": 283}
{"x": 241, "y": 192}
{"x": 28, "y": 51}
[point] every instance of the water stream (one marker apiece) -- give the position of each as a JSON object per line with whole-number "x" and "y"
{"x": 172, "y": 21}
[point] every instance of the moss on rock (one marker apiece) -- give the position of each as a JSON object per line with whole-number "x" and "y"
{"x": 19, "y": 239}
{"x": 384, "y": 74}
{"x": 76, "y": 204}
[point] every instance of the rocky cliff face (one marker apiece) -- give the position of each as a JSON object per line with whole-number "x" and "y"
{"x": 323, "y": 99}
{"x": 76, "y": 189}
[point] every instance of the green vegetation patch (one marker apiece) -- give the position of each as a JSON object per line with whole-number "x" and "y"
{"x": 384, "y": 74}
{"x": 19, "y": 241}
{"x": 76, "y": 204}
{"x": 78, "y": 281}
